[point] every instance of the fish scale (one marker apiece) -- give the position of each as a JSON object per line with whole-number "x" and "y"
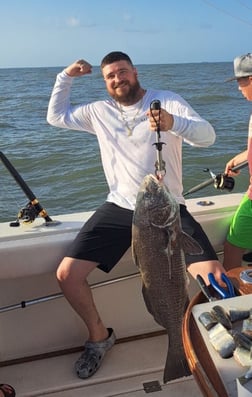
{"x": 158, "y": 244}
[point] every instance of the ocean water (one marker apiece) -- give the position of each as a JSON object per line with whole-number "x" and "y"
{"x": 63, "y": 167}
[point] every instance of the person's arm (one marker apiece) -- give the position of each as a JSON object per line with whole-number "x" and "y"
{"x": 238, "y": 159}
{"x": 78, "y": 68}
{"x": 59, "y": 109}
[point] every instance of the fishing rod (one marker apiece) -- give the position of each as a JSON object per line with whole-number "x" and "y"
{"x": 160, "y": 163}
{"x": 220, "y": 181}
{"x": 33, "y": 208}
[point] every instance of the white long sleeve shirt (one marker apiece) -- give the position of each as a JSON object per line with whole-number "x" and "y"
{"x": 127, "y": 159}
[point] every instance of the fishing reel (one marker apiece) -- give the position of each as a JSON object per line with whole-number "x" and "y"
{"x": 27, "y": 215}
{"x": 222, "y": 181}
{"x": 30, "y": 212}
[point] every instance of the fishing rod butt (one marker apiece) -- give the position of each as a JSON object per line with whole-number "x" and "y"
{"x": 33, "y": 209}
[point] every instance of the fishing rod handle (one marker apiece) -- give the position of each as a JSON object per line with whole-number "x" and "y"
{"x": 239, "y": 166}
{"x": 199, "y": 187}
{"x": 17, "y": 177}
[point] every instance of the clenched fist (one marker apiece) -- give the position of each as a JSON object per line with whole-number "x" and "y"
{"x": 79, "y": 68}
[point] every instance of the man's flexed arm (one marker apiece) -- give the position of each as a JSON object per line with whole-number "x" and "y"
{"x": 78, "y": 68}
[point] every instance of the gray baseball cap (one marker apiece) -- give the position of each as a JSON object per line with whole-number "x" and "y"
{"x": 242, "y": 67}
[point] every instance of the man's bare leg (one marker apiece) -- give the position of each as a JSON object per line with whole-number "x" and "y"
{"x": 72, "y": 276}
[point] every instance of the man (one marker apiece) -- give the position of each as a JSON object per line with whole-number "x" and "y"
{"x": 125, "y": 128}
{"x": 239, "y": 237}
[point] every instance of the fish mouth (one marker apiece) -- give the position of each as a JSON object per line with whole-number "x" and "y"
{"x": 158, "y": 203}
{"x": 151, "y": 188}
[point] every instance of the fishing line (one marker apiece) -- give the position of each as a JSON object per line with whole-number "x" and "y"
{"x": 226, "y": 12}
{"x": 244, "y": 5}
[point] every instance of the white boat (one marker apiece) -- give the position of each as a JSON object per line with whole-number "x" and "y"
{"x": 41, "y": 336}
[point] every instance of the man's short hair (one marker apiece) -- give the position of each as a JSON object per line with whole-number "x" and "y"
{"x": 115, "y": 56}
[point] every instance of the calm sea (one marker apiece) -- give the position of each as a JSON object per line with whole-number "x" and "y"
{"x": 63, "y": 168}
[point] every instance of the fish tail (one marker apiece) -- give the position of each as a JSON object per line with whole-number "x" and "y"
{"x": 175, "y": 367}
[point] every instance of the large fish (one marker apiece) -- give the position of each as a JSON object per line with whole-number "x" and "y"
{"x": 158, "y": 245}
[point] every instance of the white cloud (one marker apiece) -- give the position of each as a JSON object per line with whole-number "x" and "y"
{"x": 73, "y": 22}
{"x": 127, "y": 17}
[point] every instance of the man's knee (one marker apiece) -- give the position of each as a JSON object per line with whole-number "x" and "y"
{"x": 74, "y": 269}
{"x": 61, "y": 273}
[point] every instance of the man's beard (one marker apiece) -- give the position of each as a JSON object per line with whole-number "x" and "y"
{"x": 131, "y": 97}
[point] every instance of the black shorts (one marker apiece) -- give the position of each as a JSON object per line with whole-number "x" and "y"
{"x": 106, "y": 236}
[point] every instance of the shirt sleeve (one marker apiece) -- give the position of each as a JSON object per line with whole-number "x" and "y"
{"x": 60, "y": 112}
{"x": 188, "y": 124}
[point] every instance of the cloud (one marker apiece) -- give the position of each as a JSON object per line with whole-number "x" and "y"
{"x": 73, "y": 22}
{"x": 127, "y": 17}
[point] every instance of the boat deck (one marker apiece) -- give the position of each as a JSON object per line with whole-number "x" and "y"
{"x": 133, "y": 368}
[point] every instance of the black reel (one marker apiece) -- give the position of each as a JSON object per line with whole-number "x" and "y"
{"x": 223, "y": 181}
{"x": 28, "y": 214}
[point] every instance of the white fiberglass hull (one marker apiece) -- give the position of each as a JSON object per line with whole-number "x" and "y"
{"x": 29, "y": 257}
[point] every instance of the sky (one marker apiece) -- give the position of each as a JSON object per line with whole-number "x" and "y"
{"x": 56, "y": 32}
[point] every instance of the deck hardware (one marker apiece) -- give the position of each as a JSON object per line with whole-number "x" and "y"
{"x": 42, "y": 299}
{"x": 151, "y": 387}
{"x": 205, "y": 203}
{"x": 246, "y": 276}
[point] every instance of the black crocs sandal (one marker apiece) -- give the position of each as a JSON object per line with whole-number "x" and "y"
{"x": 7, "y": 390}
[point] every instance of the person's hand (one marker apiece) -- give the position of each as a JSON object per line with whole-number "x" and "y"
{"x": 230, "y": 164}
{"x": 238, "y": 159}
{"x": 165, "y": 120}
{"x": 79, "y": 68}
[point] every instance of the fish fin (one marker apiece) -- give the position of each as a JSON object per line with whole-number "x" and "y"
{"x": 134, "y": 256}
{"x": 147, "y": 301}
{"x": 190, "y": 245}
{"x": 175, "y": 369}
